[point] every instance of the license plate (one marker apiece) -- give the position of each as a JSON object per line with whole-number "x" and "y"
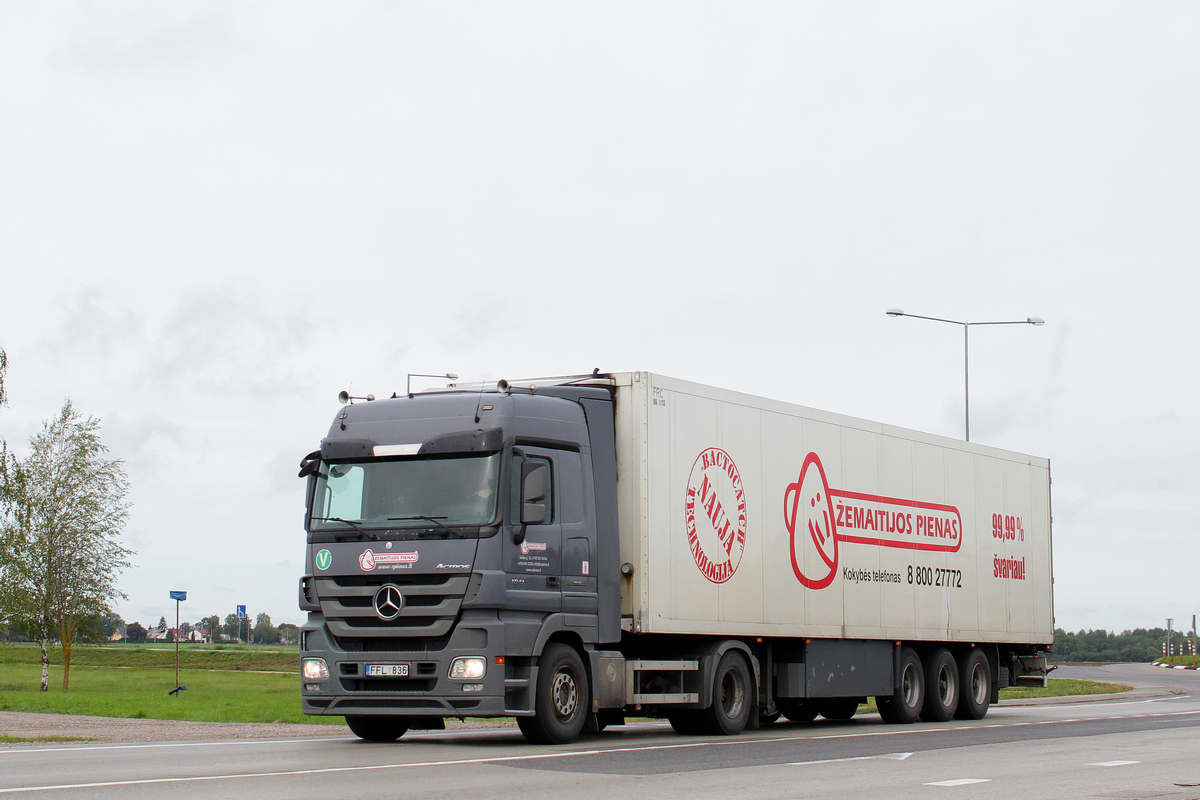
{"x": 400, "y": 670}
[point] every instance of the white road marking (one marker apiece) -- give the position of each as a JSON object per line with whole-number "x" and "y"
{"x": 494, "y": 759}
{"x": 1112, "y": 763}
{"x": 83, "y": 747}
{"x": 886, "y": 756}
{"x": 960, "y": 782}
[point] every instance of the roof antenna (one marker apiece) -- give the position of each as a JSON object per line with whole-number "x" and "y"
{"x": 479, "y": 404}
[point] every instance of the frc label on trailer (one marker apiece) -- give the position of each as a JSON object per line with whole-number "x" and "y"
{"x": 819, "y": 518}
{"x": 715, "y": 515}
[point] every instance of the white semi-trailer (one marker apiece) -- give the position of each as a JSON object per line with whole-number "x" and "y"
{"x": 570, "y": 550}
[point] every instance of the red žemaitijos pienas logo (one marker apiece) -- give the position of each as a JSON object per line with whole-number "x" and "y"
{"x": 819, "y": 518}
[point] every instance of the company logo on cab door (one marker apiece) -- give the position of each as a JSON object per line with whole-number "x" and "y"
{"x": 715, "y": 515}
{"x": 368, "y": 560}
{"x": 819, "y": 518}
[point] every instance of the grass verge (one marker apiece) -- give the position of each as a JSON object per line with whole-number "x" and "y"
{"x": 1062, "y": 687}
{"x": 211, "y": 696}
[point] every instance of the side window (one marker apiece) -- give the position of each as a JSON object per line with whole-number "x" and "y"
{"x": 521, "y": 466}
{"x": 345, "y": 492}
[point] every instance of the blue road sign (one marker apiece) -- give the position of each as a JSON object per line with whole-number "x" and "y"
{"x": 179, "y": 595}
{"x": 241, "y": 612}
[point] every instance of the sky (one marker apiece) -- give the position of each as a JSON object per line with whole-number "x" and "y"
{"x": 216, "y": 216}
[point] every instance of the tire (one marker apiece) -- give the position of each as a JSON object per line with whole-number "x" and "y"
{"x": 839, "y": 708}
{"x": 975, "y": 686}
{"x": 733, "y": 699}
{"x": 798, "y": 709}
{"x": 687, "y": 723}
{"x": 561, "y": 698}
{"x": 377, "y": 729}
{"x": 941, "y": 686}
{"x": 904, "y": 706}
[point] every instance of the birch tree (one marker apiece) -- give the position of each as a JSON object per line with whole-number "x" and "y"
{"x": 64, "y": 511}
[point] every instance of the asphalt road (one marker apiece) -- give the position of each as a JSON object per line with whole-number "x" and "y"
{"x": 1128, "y": 747}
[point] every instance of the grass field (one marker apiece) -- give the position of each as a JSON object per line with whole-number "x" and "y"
{"x": 225, "y": 684}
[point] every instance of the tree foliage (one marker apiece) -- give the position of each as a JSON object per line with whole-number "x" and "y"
{"x": 1140, "y": 644}
{"x": 63, "y": 509}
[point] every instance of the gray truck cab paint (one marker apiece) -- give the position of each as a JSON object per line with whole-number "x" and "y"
{"x": 451, "y": 536}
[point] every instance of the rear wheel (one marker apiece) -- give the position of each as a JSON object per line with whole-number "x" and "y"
{"x": 377, "y": 729}
{"x": 839, "y": 708}
{"x": 561, "y": 699}
{"x": 904, "y": 706}
{"x": 941, "y": 686}
{"x": 799, "y": 709}
{"x": 975, "y": 686}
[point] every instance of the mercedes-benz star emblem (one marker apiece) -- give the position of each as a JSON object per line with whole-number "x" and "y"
{"x": 388, "y": 602}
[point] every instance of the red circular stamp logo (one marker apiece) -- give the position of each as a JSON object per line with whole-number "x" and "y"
{"x": 715, "y": 515}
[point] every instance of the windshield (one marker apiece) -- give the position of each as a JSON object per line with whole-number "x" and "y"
{"x": 407, "y": 493}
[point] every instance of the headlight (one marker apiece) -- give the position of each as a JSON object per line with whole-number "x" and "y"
{"x": 314, "y": 669}
{"x": 468, "y": 667}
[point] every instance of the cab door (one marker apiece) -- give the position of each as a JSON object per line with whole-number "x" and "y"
{"x": 533, "y": 548}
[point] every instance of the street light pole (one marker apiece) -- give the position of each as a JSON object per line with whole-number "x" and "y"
{"x": 966, "y": 326}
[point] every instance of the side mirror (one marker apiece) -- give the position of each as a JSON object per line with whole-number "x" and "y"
{"x": 310, "y": 464}
{"x": 535, "y": 480}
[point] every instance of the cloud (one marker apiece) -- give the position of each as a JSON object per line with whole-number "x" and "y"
{"x": 163, "y": 45}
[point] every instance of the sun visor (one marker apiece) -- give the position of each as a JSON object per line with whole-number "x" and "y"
{"x": 487, "y": 441}
{"x": 338, "y": 449}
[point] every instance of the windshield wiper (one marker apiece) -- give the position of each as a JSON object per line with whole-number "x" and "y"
{"x": 434, "y": 520}
{"x": 356, "y": 525}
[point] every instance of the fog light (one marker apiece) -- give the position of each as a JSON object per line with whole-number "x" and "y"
{"x": 314, "y": 669}
{"x": 312, "y": 687}
{"x": 468, "y": 667}
{"x": 472, "y": 687}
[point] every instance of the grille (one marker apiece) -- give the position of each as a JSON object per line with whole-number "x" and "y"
{"x": 431, "y": 604}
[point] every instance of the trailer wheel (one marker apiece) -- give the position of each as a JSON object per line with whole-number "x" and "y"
{"x": 733, "y": 698}
{"x": 839, "y": 708}
{"x": 941, "y": 686}
{"x": 799, "y": 709}
{"x": 561, "y": 699}
{"x": 975, "y": 686}
{"x": 377, "y": 729}
{"x": 687, "y": 723}
{"x": 904, "y": 706}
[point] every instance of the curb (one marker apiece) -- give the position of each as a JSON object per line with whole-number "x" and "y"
{"x": 1132, "y": 694}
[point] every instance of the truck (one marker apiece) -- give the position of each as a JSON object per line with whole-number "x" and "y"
{"x": 571, "y": 551}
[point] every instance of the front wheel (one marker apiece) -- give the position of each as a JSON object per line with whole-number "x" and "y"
{"x": 561, "y": 699}
{"x": 377, "y": 729}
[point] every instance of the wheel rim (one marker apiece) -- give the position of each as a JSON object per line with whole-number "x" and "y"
{"x": 946, "y": 685}
{"x": 910, "y": 686}
{"x": 733, "y": 694}
{"x": 979, "y": 687}
{"x": 565, "y": 695}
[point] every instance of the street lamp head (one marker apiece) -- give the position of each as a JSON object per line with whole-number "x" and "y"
{"x": 895, "y": 312}
{"x": 1036, "y": 321}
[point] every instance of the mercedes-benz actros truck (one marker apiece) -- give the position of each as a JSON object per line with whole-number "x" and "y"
{"x": 570, "y": 551}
